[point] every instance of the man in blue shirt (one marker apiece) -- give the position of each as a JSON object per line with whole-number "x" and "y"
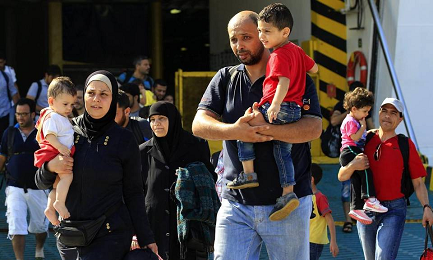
{"x": 22, "y": 195}
{"x": 242, "y": 222}
{"x": 8, "y": 96}
{"x": 142, "y": 68}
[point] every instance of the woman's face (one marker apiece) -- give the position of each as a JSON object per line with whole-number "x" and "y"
{"x": 97, "y": 99}
{"x": 159, "y": 125}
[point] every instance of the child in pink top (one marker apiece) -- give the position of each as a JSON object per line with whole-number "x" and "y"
{"x": 353, "y": 134}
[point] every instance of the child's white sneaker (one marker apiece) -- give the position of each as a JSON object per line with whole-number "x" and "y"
{"x": 372, "y": 204}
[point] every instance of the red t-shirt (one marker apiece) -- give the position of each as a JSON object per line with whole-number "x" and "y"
{"x": 288, "y": 61}
{"x": 388, "y": 170}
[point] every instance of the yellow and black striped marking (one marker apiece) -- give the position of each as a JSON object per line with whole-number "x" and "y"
{"x": 328, "y": 29}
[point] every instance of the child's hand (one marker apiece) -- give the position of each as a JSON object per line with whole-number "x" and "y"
{"x": 64, "y": 150}
{"x": 333, "y": 249}
{"x": 363, "y": 123}
{"x": 273, "y": 111}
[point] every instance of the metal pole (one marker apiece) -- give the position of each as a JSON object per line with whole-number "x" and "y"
{"x": 392, "y": 72}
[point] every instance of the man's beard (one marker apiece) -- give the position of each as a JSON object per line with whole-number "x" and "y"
{"x": 254, "y": 58}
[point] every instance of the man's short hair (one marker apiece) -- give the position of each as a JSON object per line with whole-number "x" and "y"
{"x": 2, "y": 55}
{"x": 159, "y": 82}
{"x": 131, "y": 89}
{"x": 316, "y": 173}
{"x": 61, "y": 85}
{"x": 137, "y": 60}
{"x": 123, "y": 100}
{"x": 53, "y": 70}
{"x": 278, "y": 15}
{"x": 27, "y": 101}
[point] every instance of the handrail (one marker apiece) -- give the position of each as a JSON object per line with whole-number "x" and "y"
{"x": 392, "y": 72}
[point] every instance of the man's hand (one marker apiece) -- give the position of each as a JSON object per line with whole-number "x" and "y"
{"x": 360, "y": 162}
{"x": 154, "y": 249}
{"x": 61, "y": 165}
{"x": 273, "y": 111}
{"x": 250, "y": 133}
{"x": 427, "y": 216}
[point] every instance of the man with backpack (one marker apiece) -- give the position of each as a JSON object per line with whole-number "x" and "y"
{"x": 397, "y": 173}
{"x": 17, "y": 149}
{"x": 8, "y": 96}
{"x": 38, "y": 90}
{"x": 141, "y": 71}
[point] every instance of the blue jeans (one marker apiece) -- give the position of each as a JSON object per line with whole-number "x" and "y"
{"x": 241, "y": 230}
{"x": 289, "y": 112}
{"x": 316, "y": 251}
{"x": 381, "y": 239}
{"x": 345, "y": 191}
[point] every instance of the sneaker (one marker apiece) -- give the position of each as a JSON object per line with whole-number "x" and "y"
{"x": 360, "y": 216}
{"x": 374, "y": 205}
{"x": 284, "y": 206}
{"x": 244, "y": 180}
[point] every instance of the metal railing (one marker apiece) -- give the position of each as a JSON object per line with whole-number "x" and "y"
{"x": 392, "y": 72}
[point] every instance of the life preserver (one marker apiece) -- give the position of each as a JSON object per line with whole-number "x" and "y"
{"x": 355, "y": 58}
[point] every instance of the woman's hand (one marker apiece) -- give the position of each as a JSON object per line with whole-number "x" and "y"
{"x": 61, "y": 165}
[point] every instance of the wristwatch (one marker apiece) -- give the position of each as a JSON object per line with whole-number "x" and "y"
{"x": 427, "y": 206}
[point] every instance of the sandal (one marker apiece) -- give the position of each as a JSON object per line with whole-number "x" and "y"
{"x": 347, "y": 227}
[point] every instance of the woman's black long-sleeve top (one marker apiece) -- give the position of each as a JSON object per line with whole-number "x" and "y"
{"x": 159, "y": 175}
{"x": 106, "y": 171}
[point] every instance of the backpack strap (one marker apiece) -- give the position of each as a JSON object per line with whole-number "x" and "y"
{"x": 369, "y": 136}
{"x": 128, "y": 76}
{"x": 7, "y": 85}
{"x": 403, "y": 143}
{"x": 38, "y": 93}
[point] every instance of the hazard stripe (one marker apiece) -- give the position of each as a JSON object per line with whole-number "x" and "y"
{"x": 330, "y": 63}
{"x": 330, "y": 51}
{"x": 328, "y": 12}
{"x": 328, "y": 37}
{"x": 329, "y": 25}
{"x": 333, "y": 4}
{"x": 325, "y": 113}
{"x": 323, "y": 86}
{"x": 331, "y": 77}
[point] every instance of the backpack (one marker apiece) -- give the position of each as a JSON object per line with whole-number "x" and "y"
{"x": 10, "y": 140}
{"x": 128, "y": 75}
{"x": 7, "y": 85}
{"x": 406, "y": 181}
{"x": 331, "y": 141}
{"x": 38, "y": 93}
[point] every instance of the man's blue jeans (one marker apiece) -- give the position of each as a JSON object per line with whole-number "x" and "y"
{"x": 289, "y": 112}
{"x": 241, "y": 230}
{"x": 381, "y": 239}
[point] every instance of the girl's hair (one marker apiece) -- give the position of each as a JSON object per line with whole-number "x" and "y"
{"x": 359, "y": 98}
{"x": 61, "y": 85}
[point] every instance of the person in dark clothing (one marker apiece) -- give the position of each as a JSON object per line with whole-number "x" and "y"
{"x": 106, "y": 167}
{"x": 170, "y": 148}
{"x": 137, "y": 125}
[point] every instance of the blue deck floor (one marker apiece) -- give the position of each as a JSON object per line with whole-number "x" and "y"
{"x": 411, "y": 246}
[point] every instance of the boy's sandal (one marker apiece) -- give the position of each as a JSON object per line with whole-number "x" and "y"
{"x": 347, "y": 227}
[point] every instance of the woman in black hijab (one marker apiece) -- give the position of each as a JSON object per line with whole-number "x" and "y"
{"x": 107, "y": 180}
{"x": 170, "y": 148}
